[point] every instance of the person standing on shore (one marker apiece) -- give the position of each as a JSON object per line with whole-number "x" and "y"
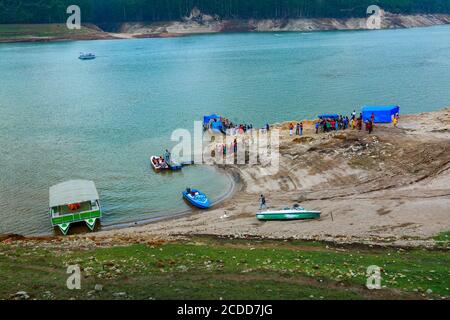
{"x": 317, "y": 127}
{"x": 262, "y": 202}
{"x": 301, "y": 128}
{"x": 291, "y": 129}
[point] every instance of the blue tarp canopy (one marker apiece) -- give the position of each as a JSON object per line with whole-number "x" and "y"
{"x": 207, "y": 119}
{"x": 328, "y": 116}
{"x": 217, "y": 126}
{"x": 383, "y": 114}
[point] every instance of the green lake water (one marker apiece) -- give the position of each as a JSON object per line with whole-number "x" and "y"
{"x": 62, "y": 118}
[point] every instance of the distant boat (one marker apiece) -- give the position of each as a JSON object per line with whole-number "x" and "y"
{"x": 196, "y": 198}
{"x": 296, "y": 213}
{"x": 87, "y": 56}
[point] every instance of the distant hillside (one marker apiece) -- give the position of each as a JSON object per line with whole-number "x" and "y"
{"x": 116, "y": 11}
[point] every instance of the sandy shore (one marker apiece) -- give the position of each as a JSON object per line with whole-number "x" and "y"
{"x": 202, "y": 24}
{"x": 205, "y": 24}
{"x": 391, "y": 187}
{"x": 388, "y": 188}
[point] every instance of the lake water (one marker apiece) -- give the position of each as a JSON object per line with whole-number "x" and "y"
{"x": 62, "y": 118}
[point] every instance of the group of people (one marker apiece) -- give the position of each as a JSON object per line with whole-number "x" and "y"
{"x": 230, "y": 128}
{"x": 233, "y": 129}
{"x": 160, "y": 163}
{"x": 354, "y": 122}
{"x": 298, "y": 129}
{"x": 163, "y": 162}
{"x": 334, "y": 124}
{"x": 224, "y": 149}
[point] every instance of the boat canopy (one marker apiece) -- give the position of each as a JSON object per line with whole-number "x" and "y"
{"x": 207, "y": 119}
{"x": 74, "y": 191}
{"x": 328, "y": 116}
{"x": 383, "y": 114}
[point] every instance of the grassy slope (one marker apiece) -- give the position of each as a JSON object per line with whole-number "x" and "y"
{"x": 230, "y": 269}
{"x": 443, "y": 238}
{"x": 17, "y": 32}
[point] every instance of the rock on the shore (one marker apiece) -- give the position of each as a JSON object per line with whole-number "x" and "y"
{"x": 20, "y": 295}
{"x": 98, "y": 287}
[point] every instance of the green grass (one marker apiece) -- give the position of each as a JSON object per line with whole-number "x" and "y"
{"x": 443, "y": 238}
{"x": 18, "y": 31}
{"x": 208, "y": 268}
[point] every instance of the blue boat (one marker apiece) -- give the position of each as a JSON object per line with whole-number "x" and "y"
{"x": 174, "y": 166}
{"x": 196, "y": 198}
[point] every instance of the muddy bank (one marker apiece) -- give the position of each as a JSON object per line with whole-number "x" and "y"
{"x": 199, "y": 23}
{"x": 12, "y": 33}
{"x": 391, "y": 187}
{"x": 208, "y": 24}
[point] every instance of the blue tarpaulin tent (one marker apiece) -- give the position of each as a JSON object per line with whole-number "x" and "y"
{"x": 383, "y": 114}
{"x": 207, "y": 119}
{"x": 217, "y": 126}
{"x": 328, "y": 116}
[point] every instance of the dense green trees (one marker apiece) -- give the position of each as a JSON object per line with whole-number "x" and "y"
{"x": 108, "y": 11}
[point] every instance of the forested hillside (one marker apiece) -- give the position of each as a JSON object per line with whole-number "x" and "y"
{"x": 108, "y": 11}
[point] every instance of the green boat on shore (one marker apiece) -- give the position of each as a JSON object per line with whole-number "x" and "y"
{"x": 296, "y": 213}
{"x": 74, "y": 201}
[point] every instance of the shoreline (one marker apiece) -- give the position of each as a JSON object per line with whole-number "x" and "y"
{"x": 387, "y": 202}
{"x": 234, "y": 185}
{"x": 203, "y": 24}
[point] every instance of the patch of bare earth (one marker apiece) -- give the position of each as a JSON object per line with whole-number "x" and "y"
{"x": 391, "y": 187}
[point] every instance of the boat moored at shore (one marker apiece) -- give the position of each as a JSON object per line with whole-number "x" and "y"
{"x": 75, "y": 201}
{"x": 196, "y": 198}
{"x": 159, "y": 164}
{"x": 296, "y": 213}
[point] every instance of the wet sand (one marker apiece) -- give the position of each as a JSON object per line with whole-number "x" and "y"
{"x": 391, "y": 187}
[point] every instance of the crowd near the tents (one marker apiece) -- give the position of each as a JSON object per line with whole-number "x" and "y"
{"x": 230, "y": 128}
{"x": 329, "y": 123}
{"x": 325, "y": 123}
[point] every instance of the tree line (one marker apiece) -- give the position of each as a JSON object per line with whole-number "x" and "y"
{"x": 115, "y": 11}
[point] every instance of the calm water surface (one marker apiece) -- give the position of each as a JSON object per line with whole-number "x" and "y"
{"x": 62, "y": 118}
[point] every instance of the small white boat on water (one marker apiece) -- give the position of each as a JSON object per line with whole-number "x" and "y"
{"x": 158, "y": 163}
{"x": 86, "y": 56}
